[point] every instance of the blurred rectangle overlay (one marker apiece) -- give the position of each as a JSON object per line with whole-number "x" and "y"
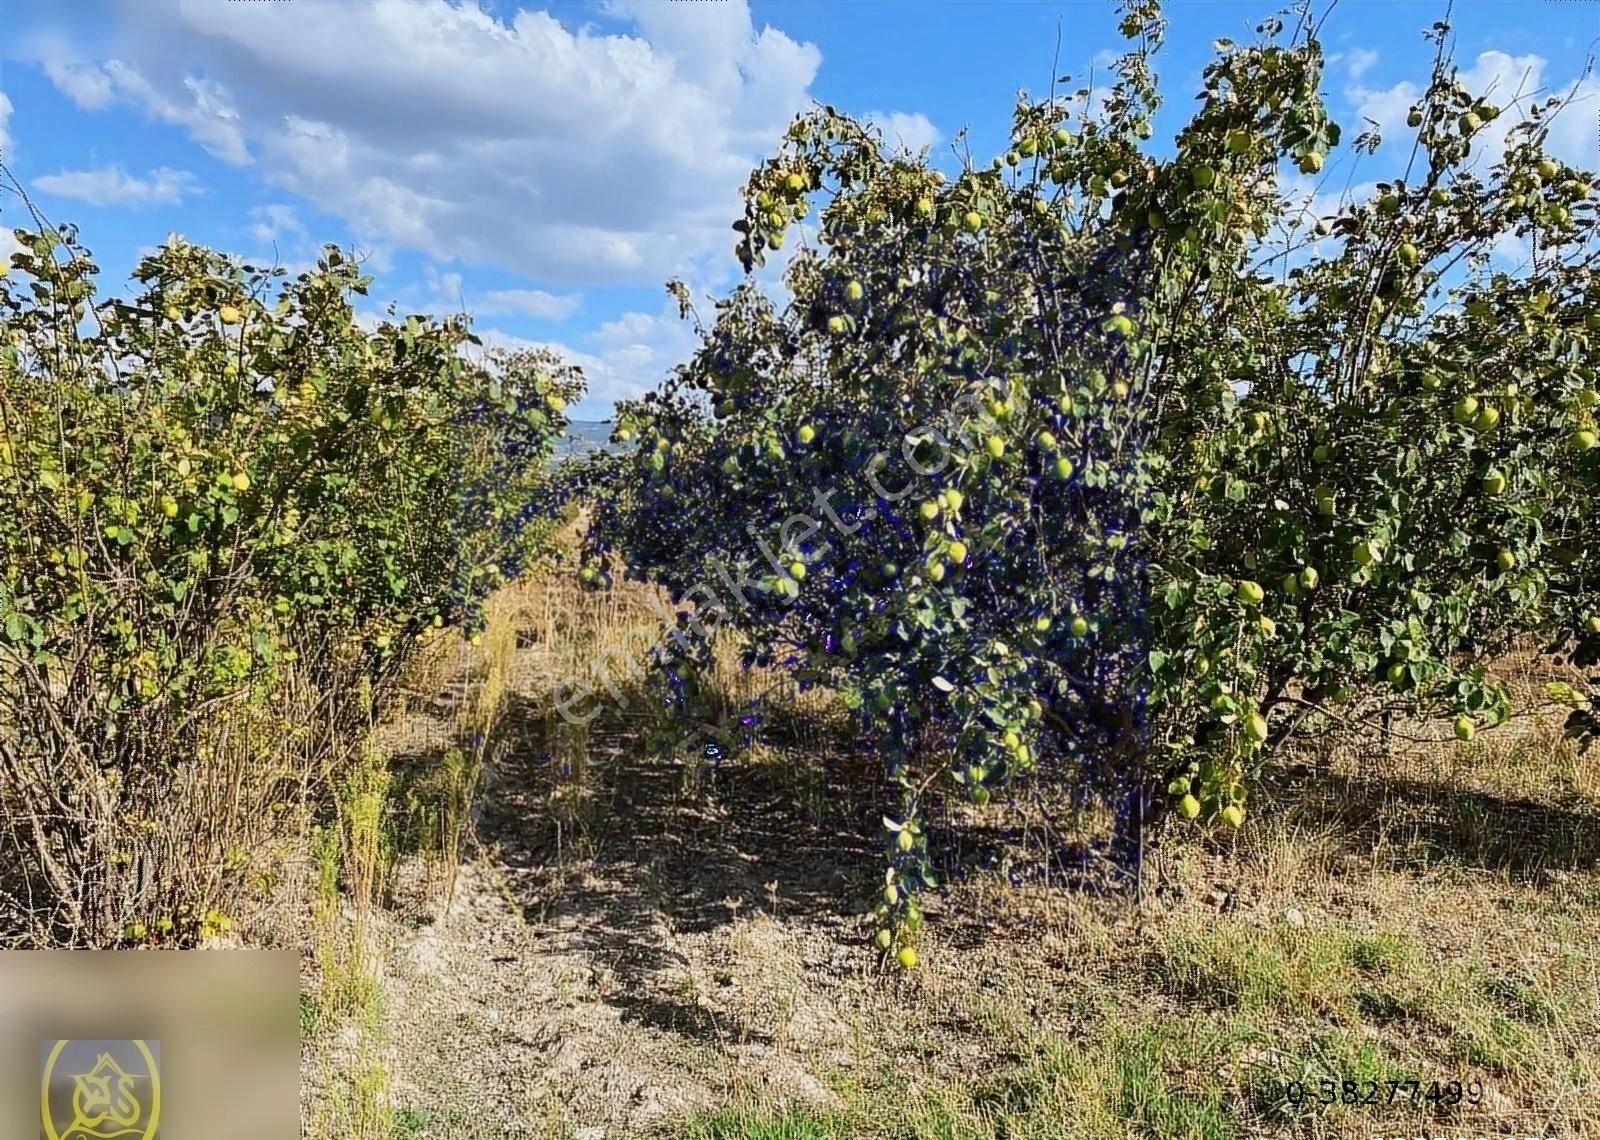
{"x": 149, "y": 1044}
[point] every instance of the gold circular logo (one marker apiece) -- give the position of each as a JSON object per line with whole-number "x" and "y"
{"x": 101, "y": 1090}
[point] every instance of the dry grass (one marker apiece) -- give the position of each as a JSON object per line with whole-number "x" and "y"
{"x": 402, "y": 813}
{"x": 687, "y": 956}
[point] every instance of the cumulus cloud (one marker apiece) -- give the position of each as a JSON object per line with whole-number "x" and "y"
{"x": 282, "y": 239}
{"x": 1305, "y": 204}
{"x": 621, "y": 360}
{"x": 1514, "y": 83}
{"x": 1387, "y": 107}
{"x": 174, "y": 238}
{"x": 1572, "y": 132}
{"x": 87, "y": 85}
{"x": 554, "y": 151}
{"x": 529, "y": 303}
{"x": 1308, "y": 202}
{"x": 627, "y": 357}
{"x": 112, "y": 186}
{"x": 912, "y": 132}
{"x": 368, "y": 320}
{"x": 1514, "y": 251}
{"x": 447, "y": 289}
{"x": 498, "y": 338}
{"x": 1357, "y": 62}
{"x": 202, "y": 107}
{"x": 276, "y": 222}
{"x": 1090, "y": 107}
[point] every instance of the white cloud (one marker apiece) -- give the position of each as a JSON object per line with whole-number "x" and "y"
{"x": 112, "y": 186}
{"x": 530, "y": 303}
{"x": 204, "y": 109}
{"x": 1572, "y": 132}
{"x": 1091, "y": 107}
{"x": 621, "y": 360}
{"x": 275, "y": 222}
{"x": 374, "y": 258}
{"x": 1513, "y": 250}
{"x": 496, "y": 338}
{"x": 1306, "y": 201}
{"x": 8, "y": 244}
{"x": 912, "y": 132}
{"x": 634, "y": 353}
{"x": 1358, "y": 62}
{"x": 87, "y": 85}
{"x": 446, "y": 289}
{"x": 174, "y": 237}
{"x": 555, "y": 152}
{"x": 368, "y": 320}
{"x": 201, "y": 106}
{"x": 1513, "y": 83}
{"x": 1387, "y": 107}
{"x": 5, "y": 115}
{"x": 281, "y": 239}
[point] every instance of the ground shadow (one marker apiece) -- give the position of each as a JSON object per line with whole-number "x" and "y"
{"x": 672, "y": 846}
{"x": 1429, "y": 823}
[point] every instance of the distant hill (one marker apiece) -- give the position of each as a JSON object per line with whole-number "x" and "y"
{"x": 584, "y": 436}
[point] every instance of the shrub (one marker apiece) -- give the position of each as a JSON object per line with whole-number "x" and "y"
{"x": 234, "y": 513}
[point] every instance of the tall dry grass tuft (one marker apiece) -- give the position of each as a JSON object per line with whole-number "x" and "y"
{"x": 477, "y": 733}
{"x": 569, "y": 638}
{"x": 383, "y": 810}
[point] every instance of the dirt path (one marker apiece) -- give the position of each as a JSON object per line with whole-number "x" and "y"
{"x": 697, "y": 943}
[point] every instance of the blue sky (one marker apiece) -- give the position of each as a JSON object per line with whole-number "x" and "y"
{"x": 548, "y": 167}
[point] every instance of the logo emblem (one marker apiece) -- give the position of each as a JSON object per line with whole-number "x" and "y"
{"x": 100, "y": 1090}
